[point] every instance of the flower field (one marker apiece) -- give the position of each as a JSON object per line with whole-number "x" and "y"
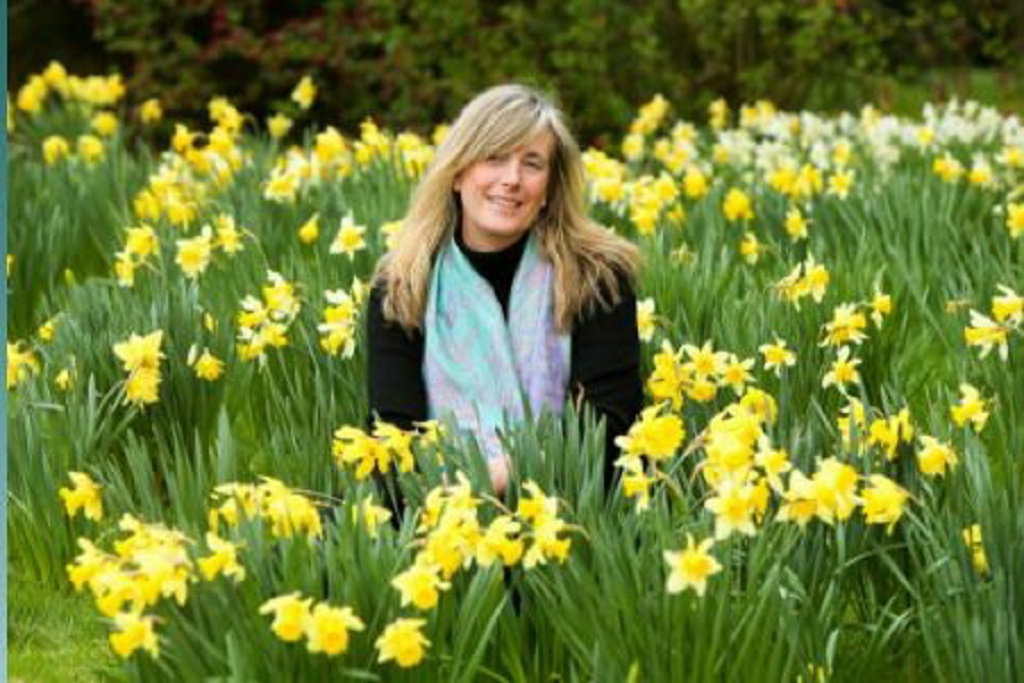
{"x": 826, "y": 483}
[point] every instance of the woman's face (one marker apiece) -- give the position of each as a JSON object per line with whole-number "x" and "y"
{"x": 501, "y": 195}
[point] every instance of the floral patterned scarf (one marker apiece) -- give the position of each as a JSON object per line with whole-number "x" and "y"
{"x": 481, "y": 369}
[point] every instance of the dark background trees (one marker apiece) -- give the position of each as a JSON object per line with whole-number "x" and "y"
{"x": 412, "y": 63}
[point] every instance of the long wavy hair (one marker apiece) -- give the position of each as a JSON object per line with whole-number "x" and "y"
{"x": 589, "y": 260}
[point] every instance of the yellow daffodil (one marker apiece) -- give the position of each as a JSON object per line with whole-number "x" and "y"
{"x": 846, "y": 326}
{"x": 206, "y": 366}
{"x": 304, "y": 93}
{"x": 695, "y": 183}
{"x": 104, "y": 123}
{"x": 150, "y": 111}
{"x": 987, "y": 334}
{"x": 947, "y": 168}
{"x": 84, "y": 495}
{"x": 645, "y": 319}
{"x": 881, "y": 306}
{"x": 134, "y": 632}
{"x": 935, "y": 457}
{"x": 372, "y": 515}
{"x": 141, "y": 241}
{"x": 801, "y": 505}
{"x": 403, "y": 642}
{"x": 883, "y": 501}
{"x": 420, "y": 585}
{"x": 1008, "y": 307}
{"x": 278, "y": 125}
{"x": 843, "y": 371}
{"x": 55, "y": 148}
{"x": 141, "y": 359}
{"x": 194, "y": 254}
{"x": 290, "y": 612}
{"x": 654, "y": 435}
{"x": 840, "y": 183}
{"x": 751, "y": 248}
{"x": 310, "y": 230}
{"x": 229, "y": 237}
{"x": 972, "y": 408}
{"x": 691, "y": 567}
{"x": 327, "y": 629}
{"x": 90, "y": 148}
{"x": 349, "y": 239}
{"x": 737, "y": 206}
{"x": 833, "y": 487}
{"x": 733, "y": 507}
{"x": 777, "y": 356}
{"x": 1015, "y": 219}
{"x": 64, "y": 380}
{"x": 223, "y": 559}
{"x": 501, "y": 541}
{"x": 796, "y": 225}
{"x": 973, "y": 541}
{"x": 633, "y": 146}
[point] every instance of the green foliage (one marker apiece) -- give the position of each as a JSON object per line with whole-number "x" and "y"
{"x": 413, "y": 64}
{"x": 847, "y": 601}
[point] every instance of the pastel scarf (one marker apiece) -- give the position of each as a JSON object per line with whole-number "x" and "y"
{"x": 481, "y": 370}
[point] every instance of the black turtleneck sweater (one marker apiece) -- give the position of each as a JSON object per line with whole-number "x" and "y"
{"x": 605, "y": 354}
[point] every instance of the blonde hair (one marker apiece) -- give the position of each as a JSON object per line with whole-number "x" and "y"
{"x": 588, "y": 259}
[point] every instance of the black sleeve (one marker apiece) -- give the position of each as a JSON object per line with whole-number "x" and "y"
{"x": 606, "y": 368}
{"x": 394, "y": 374}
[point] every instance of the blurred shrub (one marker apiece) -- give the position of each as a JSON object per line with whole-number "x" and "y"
{"x": 411, "y": 63}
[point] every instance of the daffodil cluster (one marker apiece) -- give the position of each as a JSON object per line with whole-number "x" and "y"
{"x": 287, "y": 511}
{"x": 151, "y": 563}
{"x": 140, "y": 357}
{"x": 340, "y": 328}
{"x": 93, "y": 91}
{"x": 988, "y": 333}
{"x": 263, "y": 323}
{"x": 651, "y": 198}
{"x": 809, "y": 278}
{"x": 450, "y": 537}
{"x": 652, "y": 440}
{"x": 606, "y": 176}
{"x": 333, "y": 156}
{"x": 141, "y": 242}
{"x": 385, "y": 447}
{"x": 194, "y": 254}
{"x": 696, "y": 373}
{"x": 326, "y": 628}
{"x": 173, "y": 194}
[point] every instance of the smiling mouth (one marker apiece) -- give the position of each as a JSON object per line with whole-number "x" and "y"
{"x": 504, "y": 203}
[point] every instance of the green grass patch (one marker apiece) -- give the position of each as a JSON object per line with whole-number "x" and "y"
{"x": 55, "y": 636}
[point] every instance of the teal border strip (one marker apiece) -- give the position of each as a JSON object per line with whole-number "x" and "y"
{"x": 3, "y": 354}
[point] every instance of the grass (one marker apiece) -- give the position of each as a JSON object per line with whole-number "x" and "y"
{"x": 55, "y": 636}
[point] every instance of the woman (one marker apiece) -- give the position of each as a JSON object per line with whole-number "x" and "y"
{"x": 501, "y": 297}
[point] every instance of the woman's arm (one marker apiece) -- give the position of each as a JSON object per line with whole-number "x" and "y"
{"x": 394, "y": 374}
{"x": 606, "y": 369}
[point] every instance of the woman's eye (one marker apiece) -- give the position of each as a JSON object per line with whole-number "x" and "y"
{"x": 494, "y": 158}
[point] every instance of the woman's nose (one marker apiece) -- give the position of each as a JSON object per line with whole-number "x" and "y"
{"x": 511, "y": 173}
